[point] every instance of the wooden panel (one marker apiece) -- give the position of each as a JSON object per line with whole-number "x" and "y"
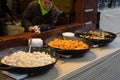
{"x": 79, "y": 8}
{"x": 91, "y": 4}
{"x": 90, "y": 16}
{"x": 64, "y": 5}
{"x": 87, "y": 11}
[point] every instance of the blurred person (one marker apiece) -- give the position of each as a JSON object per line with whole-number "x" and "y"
{"x": 14, "y": 5}
{"x": 9, "y": 22}
{"x": 5, "y": 12}
{"x": 40, "y": 15}
{"x": 4, "y": 8}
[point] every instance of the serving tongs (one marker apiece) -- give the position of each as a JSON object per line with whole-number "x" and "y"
{"x": 30, "y": 45}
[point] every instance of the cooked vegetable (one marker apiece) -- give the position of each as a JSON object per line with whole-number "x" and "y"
{"x": 95, "y": 35}
{"x": 68, "y": 44}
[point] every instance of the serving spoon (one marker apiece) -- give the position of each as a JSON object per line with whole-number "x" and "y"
{"x": 30, "y": 46}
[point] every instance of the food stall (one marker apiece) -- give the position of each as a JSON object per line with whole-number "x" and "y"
{"x": 65, "y": 68}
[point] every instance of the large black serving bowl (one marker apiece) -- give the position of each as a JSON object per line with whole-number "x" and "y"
{"x": 109, "y": 36}
{"x": 27, "y": 70}
{"x": 72, "y": 53}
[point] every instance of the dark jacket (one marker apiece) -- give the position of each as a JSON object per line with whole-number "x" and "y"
{"x": 32, "y": 16}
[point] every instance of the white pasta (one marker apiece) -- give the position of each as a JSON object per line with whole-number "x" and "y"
{"x": 25, "y": 59}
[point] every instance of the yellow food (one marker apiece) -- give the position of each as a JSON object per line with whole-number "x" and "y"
{"x": 68, "y": 44}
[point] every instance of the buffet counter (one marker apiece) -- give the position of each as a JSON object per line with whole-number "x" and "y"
{"x": 65, "y": 69}
{"x": 72, "y": 68}
{"x": 68, "y": 68}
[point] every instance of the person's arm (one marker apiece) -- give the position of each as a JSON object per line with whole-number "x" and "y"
{"x": 27, "y": 17}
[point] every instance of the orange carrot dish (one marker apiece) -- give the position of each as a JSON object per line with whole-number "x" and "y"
{"x": 68, "y": 44}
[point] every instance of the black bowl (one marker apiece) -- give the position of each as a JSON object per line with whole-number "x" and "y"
{"x": 71, "y": 53}
{"x": 109, "y": 36}
{"x": 29, "y": 70}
